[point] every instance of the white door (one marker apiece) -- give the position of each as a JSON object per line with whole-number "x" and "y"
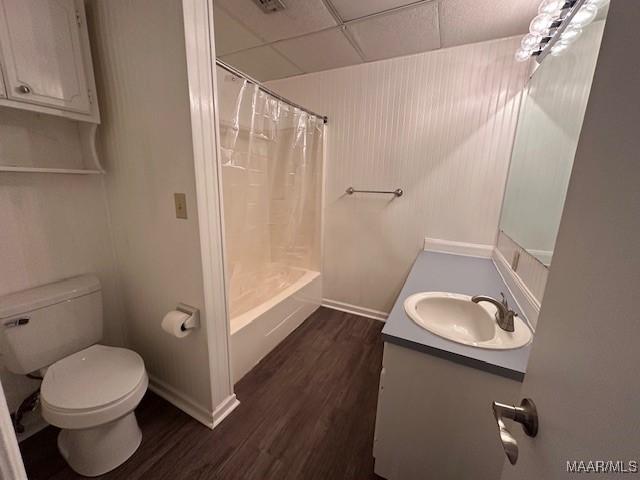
{"x": 42, "y": 54}
{"x": 584, "y": 369}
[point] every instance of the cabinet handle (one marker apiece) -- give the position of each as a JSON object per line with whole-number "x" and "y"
{"x": 25, "y": 89}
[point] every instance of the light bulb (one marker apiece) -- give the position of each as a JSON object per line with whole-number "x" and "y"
{"x": 540, "y": 24}
{"x": 559, "y": 48}
{"x": 585, "y": 16}
{"x": 522, "y": 55}
{"x": 597, "y": 3}
{"x": 551, "y": 7}
{"x": 570, "y": 35}
{"x": 530, "y": 41}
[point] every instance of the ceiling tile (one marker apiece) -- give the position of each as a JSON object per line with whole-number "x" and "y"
{"x": 351, "y": 9}
{"x": 471, "y": 21}
{"x": 231, "y": 35}
{"x": 407, "y": 31}
{"x": 300, "y": 17}
{"x": 262, "y": 63}
{"x": 319, "y": 51}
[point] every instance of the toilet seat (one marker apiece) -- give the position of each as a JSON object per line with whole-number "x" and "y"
{"x": 92, "y": 387}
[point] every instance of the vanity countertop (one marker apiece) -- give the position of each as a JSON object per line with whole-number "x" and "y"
{"x": 444, "y": 272}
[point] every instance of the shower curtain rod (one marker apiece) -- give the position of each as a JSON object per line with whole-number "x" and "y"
{"x": 240, "y": 74}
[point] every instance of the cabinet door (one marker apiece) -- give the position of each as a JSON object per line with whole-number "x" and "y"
{"x": 41, "y": 53}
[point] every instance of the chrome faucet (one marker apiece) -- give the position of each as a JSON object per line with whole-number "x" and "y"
{"x": 504, "y": 315}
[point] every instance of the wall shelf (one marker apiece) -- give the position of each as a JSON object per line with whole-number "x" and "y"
{"x": 85, "y": 141}
{"x": 74, "y": 171}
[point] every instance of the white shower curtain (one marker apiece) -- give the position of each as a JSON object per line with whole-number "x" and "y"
{"x": 271, "y": 176}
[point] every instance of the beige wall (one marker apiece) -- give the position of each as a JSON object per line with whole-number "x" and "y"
{"x": 439, "y": 125}
{"x": 51, "y": 226}
{"x": 146, "y": 148}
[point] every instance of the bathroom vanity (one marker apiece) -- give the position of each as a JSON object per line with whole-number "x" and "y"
{"x": 434, "y": 415}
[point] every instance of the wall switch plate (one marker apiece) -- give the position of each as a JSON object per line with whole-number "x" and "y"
{"x": 515, "y": 260}
{"x": 181, "y": 205}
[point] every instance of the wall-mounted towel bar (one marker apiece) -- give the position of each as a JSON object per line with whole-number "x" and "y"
{"x": 397, "y": 192}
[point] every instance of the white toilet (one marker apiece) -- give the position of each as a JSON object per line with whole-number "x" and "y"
{"x": 89, "y": 390}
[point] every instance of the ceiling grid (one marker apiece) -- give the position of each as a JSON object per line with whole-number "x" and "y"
{"x": 314, "y": 35}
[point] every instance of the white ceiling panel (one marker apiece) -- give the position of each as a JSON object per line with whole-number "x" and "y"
{"x": 320, "y": 51}
{"x": 300, "y": 17}
{"x": 470, "y": 21}
{"x": 351, "y": 9}
{"x": 231, "y": 35}
{"x": 262, "y": 63}
{"x": 411, "y": 30}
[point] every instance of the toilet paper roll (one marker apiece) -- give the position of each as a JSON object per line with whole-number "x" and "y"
{"x": 173, "y": 321}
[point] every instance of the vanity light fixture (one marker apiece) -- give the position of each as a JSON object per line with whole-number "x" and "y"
{"x": 558, "y": 24}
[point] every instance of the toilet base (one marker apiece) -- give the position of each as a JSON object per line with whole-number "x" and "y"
{"x": 98, "y": 450}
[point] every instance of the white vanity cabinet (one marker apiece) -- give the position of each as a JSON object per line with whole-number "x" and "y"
{"x": 434, "y": 418}
{"x": 46, "y": 59}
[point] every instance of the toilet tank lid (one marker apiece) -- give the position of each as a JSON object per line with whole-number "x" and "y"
{"x": 34, "y": 298}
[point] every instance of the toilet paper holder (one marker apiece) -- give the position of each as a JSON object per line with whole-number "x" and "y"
{"x": 194, "y": 316}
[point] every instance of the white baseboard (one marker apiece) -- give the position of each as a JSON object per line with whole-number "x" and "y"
{"x": 191, "y": 408}
{"x": 527, "y": 302}
{"x": 354, "y": 309}
{"x": 458, "y": 248}
{"x": 223, "y": 410}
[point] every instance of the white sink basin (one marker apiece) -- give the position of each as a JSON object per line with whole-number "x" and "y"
{"x": 456, "y": 318}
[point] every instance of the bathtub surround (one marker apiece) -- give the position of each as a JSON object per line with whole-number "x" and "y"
{"x": 258, "y": 331}
{"x": 271, "y": 159}
{"x": 451, "y": 115}
{"x": 271, "y": 156}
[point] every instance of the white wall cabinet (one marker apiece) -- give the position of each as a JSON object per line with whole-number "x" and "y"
{"x": 46, "y": 59}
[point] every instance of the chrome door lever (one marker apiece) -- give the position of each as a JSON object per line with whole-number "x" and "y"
{"x": 526, "y": 414}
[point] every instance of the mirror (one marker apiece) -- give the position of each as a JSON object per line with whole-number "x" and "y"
{"x": 549, "y": 124}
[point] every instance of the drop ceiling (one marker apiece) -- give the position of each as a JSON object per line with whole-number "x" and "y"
{"x": 314, "y": 35}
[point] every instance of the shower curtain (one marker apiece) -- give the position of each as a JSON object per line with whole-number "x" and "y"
{"x": 271, "y": 178}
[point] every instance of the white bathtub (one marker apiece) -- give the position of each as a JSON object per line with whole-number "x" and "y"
{"x": 257, "y": 331}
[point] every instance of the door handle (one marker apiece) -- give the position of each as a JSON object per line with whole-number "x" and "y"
{"x": 526, "y": 414}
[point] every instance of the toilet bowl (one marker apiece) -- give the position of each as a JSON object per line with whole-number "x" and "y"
{"x": 89, "y": 390}
{"x": 91, "y": 395}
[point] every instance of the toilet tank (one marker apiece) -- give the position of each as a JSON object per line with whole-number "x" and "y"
{"x": 42, "y": 325}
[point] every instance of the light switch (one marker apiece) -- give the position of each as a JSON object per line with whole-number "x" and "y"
{"x": 515, "y": 261}
{"x": 181, "y": 205}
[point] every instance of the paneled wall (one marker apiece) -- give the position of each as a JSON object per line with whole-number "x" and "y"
{"x": 141, "y": 74}
{"x": 529, "y": 279}
{"x": 51, "y": 226}
{"x": 439, "y": 125}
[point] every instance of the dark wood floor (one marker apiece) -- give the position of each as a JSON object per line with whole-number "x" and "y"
{"x": 307, "y": 411}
